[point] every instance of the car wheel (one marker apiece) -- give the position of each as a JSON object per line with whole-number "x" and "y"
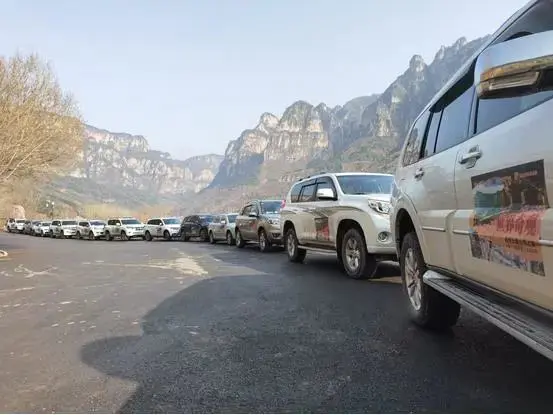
{"x": 166, "y": 235}
{"x": 62, "y": 235}
{"x": 91, "y": 236}
{"x": 356, "y": 261}
{"x": 264, "y": 243}
{"x": 203, "y": 235}
{"x": 124, "y": 236}
{"x": 295, "y": 253}
{"x": 148, "y": 236}
{"x": 211, "y": 238}
{"x": 108, "y": 236}
{"x": 427, "y": 307}
{"x": 78, "y": 235}
{"x": 240, "y": 243}
{"x": 230, "y": 239}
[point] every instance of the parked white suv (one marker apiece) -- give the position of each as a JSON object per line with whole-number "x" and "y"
{"x": 166, "y": 228}
{"x": 90, "y": 229}
{"x": 66, "y": 228}
{"x": 125, "y": 228}
{"x": 42, "y": 229}
{"x": 471, "y": 214}
{"x": 341, "y": 213}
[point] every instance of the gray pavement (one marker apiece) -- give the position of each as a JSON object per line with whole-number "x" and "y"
{"x": 96, "y": 326}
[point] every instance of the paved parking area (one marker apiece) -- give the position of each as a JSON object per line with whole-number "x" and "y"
{"x": 95, "y": 326}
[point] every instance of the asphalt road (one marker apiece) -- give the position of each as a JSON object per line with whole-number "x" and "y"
{"x": 189, "y": 327}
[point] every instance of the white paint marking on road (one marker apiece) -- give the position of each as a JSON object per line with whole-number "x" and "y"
{"x": 65, "y": 302}
{"x": 86, "y": 263}
{"x": 116, "y": 311}
{"x": 193, "y": 333}
{"x": 134, "y": 323}
{"x": 82, "y": 321}
{"x": 15, "y": 290}
{"x": 216, "y": 259}
{"x": 184, "y": 265}
{"x": 30, "y": 273}
{"x": 70, "y": 323}
{"x": 92, "y": 327}
{"x": 5, "y": 274}
{"x": 55, "y": 325}
{"x": 99, "y": 261}
{"x": 16, "y": 305}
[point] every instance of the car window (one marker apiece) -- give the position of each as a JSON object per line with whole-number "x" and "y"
{"x": 431, "y": 134}
{"x": 151, "y": 222}
{"x": 412, "y": 150}
{"x": 307, "y": 192}
{"x": 254, "y": 209}
{"x": 363, "y": 184}
{"x": 295, "y": 193}
{"x": 456, "y": 104}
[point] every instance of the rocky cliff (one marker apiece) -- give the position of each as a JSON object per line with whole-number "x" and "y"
{"x": 126, "y": 161}
{"x": 367, "y": 130}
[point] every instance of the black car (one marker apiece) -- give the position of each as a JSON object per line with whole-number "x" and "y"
{"x": 195, "y": 226}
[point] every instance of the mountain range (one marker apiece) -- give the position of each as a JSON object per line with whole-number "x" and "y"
{"x": 364, "y": 134}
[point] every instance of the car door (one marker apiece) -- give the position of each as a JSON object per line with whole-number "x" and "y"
{"x": 321, "y": 213}
{"x": 503, "y": 229}
{"x": 304, "y": 208}
{"x": 250, "y": 218}
{"x": 241, "y": 219}
{"x": 429, "y": 176}
{"x": 158, "y": 227}
{"x": 219, "y": 223}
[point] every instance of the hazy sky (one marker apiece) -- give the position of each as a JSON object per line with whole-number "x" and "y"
{"x": 191, "y": 75}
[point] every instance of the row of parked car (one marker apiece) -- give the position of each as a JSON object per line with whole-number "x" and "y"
{"x": 467, "y": 213}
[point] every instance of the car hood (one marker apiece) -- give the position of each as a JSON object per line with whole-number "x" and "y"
{"x": 372, "y": 196}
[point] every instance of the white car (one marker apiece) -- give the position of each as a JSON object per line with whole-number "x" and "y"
{"x": 341, "y": 213}
{"x": 125, "y": 228}
{"x": 17, "y": 226}
{"x": 65, "y": 228}
{"x": 166, "y": 228}
{"x": 90, "y": 229}
{"x": 42, "y": 229}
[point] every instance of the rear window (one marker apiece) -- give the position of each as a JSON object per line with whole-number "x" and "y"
{"x": 270, "y": 206}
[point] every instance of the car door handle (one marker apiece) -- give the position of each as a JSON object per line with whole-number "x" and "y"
{"x": 474, "y": 154}
{"x": 419, "y": 173}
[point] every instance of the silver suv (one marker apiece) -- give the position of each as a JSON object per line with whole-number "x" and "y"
{"x": 259, "y": 221}
{"x": 471, "y": 215}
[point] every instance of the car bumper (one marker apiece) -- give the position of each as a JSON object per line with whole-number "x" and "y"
{"x": 69, "y": 232}
{"x": 275, "y": 235}
{"x": 134, "y": 233}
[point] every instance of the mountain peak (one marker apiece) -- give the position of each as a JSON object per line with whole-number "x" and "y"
{"x": 416, "y": 63}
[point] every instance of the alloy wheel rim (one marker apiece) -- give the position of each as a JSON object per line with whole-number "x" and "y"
{"x": 291, "y": 244}
{"x": 413, "y": 280}
{"x": 353, "y": 254}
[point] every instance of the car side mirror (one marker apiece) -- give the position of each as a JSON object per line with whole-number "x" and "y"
{"x": 223, "y": 222}
{"x": 326, "y": 194}
{"x": 515, "y": 67}
{"x": 252, "y": 215}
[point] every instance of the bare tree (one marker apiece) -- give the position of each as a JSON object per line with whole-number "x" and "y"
{"x": 41, "y": 131}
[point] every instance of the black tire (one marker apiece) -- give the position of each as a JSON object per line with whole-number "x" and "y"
{"x": 264, "y": 242}
{"x": 108, "y": 236}
{"x": 291, "y": 244}
{"x": 124, "y": 236}
{"x": 436, "y": 311}
{"x": 148, "y": 236}
{"x": 230, "y": 239}
{"x": 184, "y": 237}
{"x": 91, "y": 236}
{"x": 62, "y": 235}
{"x": 78, "y": 235}
{"x": 166, "y": 235}
{"x": 240, "y": 243}
{"x": 366, "y": 264}
{"x": 211, "y": 238}
{"x": 203, "y": 235}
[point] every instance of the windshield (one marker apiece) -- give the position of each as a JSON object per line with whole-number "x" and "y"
{"x": 97, "y": 223}
{"x": 20, "y": 221}
{"x": 270, "y": 206}
{"x": 45, "y": 224}
{"x": 206, "y": 218}
{"x": 68, "y": 222}
{"x": 36, "y": 222}
{"x": 231, "y": 218}
{"x": 365, "y": 184}
{"x": 171, "y": 221}
{"x": 130, "y": 222}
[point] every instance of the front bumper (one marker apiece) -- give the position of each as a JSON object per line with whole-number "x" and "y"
{"x": 69, "y": 232}
{"x": 275, "y": 235}
{"x": 135, "y": 233}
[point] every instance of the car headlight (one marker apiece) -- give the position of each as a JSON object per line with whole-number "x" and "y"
{"x": 380, "y": 207}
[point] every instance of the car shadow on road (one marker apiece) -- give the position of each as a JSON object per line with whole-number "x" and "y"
{"x": 238, "y": 344}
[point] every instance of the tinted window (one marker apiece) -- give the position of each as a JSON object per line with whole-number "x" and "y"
{"x": 246, "y": 210}
{"x": 151, "y": 222}
{"x": 295, "y": 193}
{"x": 83, "y": 224}
{"x": 206, "y": 219}
{"x": 414, "y": 141}
{"x": 430, "y": 141}
{"x": 536, "y": 20}
{"x": 231, "y": 218}
{"x": 69, "y": 222}
{"x": 45, "y": 224}
{"x": 362, "y": 184}
{"x": 97, "y": 223}
{"x": 270, "y": 206}
{"x": 307, "y": 192}
{"x": 171, "y": 221}
{"x": 130, "y": 222}
{"x": 456, "y": 106}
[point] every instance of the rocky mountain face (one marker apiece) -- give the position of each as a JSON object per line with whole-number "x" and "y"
{"x": 365, "y": 133}
{"x": 121, "y": 160}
